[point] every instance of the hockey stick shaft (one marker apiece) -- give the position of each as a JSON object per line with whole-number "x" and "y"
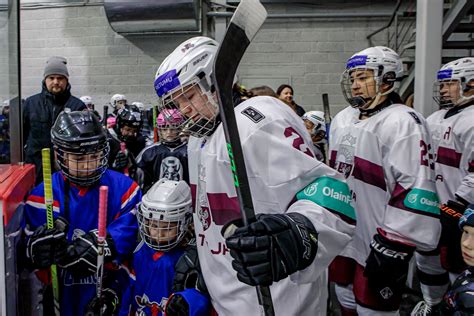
{"x": 155, "y": 128}
{"x": 106, "y": 113}
{"x": 48, "y": 201}
{"x": 103, "y": 196}
{"x": 327, "y": 119}
{"x": 123, "y": 149}
{"x": 245, "y": 23}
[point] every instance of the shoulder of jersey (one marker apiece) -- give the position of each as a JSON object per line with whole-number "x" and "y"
{"x": 346, "y": 114}
{"x": 402, "y": 113}
{"x": 261, "y": 110}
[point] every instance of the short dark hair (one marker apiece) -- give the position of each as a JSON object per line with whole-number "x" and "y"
{"x": 263, "y": 90}
{"x": 283, "y": 86}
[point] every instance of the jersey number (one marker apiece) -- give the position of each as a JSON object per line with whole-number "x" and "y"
{"x": 298, "y": 141}
{"x": 426, "y": 155}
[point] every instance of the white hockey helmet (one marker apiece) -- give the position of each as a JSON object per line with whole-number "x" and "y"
{"x": 387, "y": 68}
{"x": 318, "y": 129}
{"x": 117, "y": 97}
{"x": 188, "y": 66}
{"x": 87, "y": 100}
{"x": 459, "y": 72}
{"x": 139, "y": 105}
{"x": 165, "y": 214}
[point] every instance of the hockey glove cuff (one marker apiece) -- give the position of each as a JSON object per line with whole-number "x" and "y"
{"x": 176, "y": 306}
{"x": 82, "y": 254}
{"x": 188, "y": 273}
{"x": 47, "y": 246}
{"x": 273, "y": 247}
{"x": 387, "y": 264}
{"x": 107, "y": 305}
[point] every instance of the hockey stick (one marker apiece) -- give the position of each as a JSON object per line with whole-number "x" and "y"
{"x": 245, "y": 23}
{"x": 106, "y": 113}
{"x": 327, "y": 119}
{"x": 123, "y": 150}
{"x": 103, "y": 191}
{"x": 155, "y": 128}
{"x": 48, "y": 201}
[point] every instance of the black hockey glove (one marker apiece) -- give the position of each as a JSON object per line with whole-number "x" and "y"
{"x": 387, "y": 264}
{"x": 82, "y": 254}
{"x": 451, "y": 212}
{"x": 107, "y": 305}
{"x": 176, "y": 306}
{"x": 272, "y": 248}
{"x": 47, "y": 246}
{"x": 188, "y": 273}
{"x": 120, "y": 161}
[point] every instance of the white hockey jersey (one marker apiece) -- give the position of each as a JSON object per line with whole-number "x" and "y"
{"x": 280, "y": 164}
{"x": 453, "y": 143}
{"x": 390, "y": 170}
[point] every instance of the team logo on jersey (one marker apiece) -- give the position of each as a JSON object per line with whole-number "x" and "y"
{"x": 203, "y": 210}
{"x": 345, "y": 155}
{"x": 386, "y": 293}
{"x": 311, "y": 189}
{"x": 171, "y": 169}
{"x": 144, "y": 303}
{"x": 253, "y": 114}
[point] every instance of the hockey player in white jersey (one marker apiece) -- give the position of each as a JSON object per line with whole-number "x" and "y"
{"x": 304, "y": 215}
{"x": 316, "y": 127}
{"x": 383, "y": 150}
{"x": 453, "y": 144}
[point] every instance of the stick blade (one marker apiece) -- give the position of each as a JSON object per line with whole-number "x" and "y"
{"x": 249, "y": 16}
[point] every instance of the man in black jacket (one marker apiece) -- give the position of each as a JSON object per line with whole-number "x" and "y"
{"x": 41, "y": 110}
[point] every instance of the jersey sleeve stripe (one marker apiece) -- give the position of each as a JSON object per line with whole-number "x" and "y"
{"x": 397, "y": 200}
{"x": 129, "y": 194}
{"x": 332, "y": 159}
{"x": 369, "y": 172}
{"x": 448, "y": 157}
{"x": 223, "y": 208}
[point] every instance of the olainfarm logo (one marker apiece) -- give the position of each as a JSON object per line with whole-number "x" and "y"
{"x": 166, "y": 82}
{"x": 311, "y": 189}
{"x": 330, "y": 192}
{"x": 412, "y": 198}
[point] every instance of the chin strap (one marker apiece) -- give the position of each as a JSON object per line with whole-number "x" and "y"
{"x": 378, "y": 107}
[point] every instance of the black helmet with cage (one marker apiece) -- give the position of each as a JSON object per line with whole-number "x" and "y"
{"x": 81, "y": 147}
{"x": 131, "y": 117}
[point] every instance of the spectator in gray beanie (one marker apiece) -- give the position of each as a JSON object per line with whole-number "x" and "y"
{"x": 41, "y": 110}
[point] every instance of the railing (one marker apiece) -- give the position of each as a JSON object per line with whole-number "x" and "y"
{"x": 399, "y": 27}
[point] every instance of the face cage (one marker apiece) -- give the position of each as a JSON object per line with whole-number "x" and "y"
{"x": 346, "y": 87}
{"x": 448, "y": 103}
{"x": 154, "y": 242}
{"x": 199, "y": 126}
{"x": 85, "y": 179}
{"x": 177, "y": 127}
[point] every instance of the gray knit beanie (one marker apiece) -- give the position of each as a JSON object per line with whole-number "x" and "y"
{"x": 56, "y": 65}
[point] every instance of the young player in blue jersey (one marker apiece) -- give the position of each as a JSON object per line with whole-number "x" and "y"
{"x": 81, "y": 148}
{"x": 165, "y": 263}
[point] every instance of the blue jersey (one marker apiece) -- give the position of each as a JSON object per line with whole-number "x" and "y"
{"x": 82, "y": 216}
{"x": 151, "y": 284}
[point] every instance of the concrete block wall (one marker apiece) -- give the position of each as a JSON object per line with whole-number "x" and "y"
{"x": 308, "y": 54}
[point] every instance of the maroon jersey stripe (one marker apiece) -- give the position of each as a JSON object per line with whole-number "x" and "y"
{"x": 448, "y": 157}
{"x": 369, "y": 173}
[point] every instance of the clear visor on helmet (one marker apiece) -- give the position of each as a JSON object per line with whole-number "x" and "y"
{"x": 158, "y": 233}
{"x": 198, "y": 108}
{"x": 83, "y": 169}
{"x": 359, "y": 86}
